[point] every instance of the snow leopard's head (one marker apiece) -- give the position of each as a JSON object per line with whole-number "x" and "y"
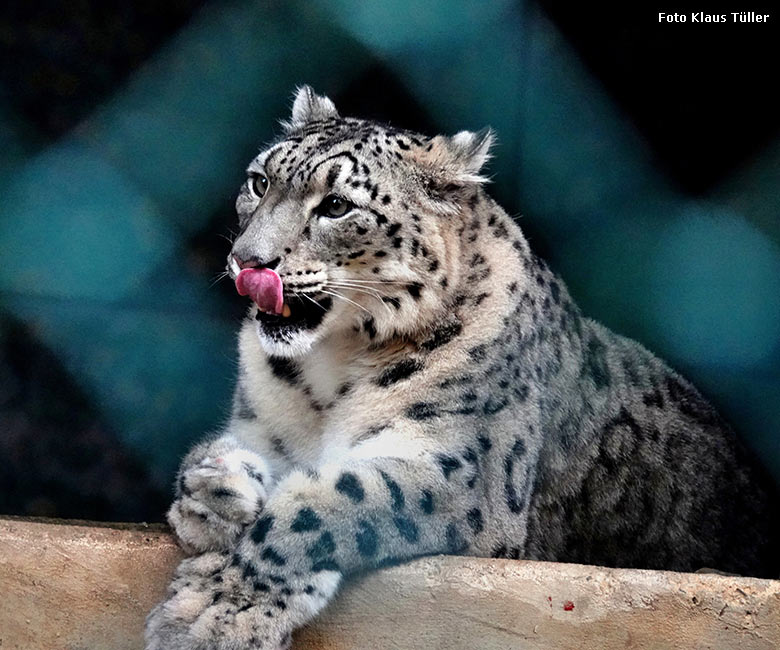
{"x": 350, "y": 224}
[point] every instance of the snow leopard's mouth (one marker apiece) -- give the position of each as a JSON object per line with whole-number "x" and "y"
{"x": 278, "y": 310}
{"x": 298, "y": 312}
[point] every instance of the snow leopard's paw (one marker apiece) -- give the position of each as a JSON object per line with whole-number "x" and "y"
{"x": 217, "y": 499}
{"x": 210, "y": 606}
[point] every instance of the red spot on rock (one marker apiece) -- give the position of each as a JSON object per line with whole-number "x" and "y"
{"x": 568, "y": 606}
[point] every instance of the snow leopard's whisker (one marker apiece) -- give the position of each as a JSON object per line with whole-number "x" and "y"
{"x": 356, "y": 287}
{"x": 338, "y": 295}
{"x": 297, "y": 294}
{"x": 218, "y": 277}
{"x": 378, "y": 281}
{"x": 367, "y": 290}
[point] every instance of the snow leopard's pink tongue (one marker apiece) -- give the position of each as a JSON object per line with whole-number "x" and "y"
{"x": 264, "y": 286}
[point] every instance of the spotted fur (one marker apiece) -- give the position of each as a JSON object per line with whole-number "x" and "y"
{"x": 447, "y": 397}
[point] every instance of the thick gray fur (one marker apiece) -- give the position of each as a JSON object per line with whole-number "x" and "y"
{"x": 452, "y": 399}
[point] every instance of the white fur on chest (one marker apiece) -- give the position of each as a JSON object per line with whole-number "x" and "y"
{"x": 327, "y": 367}
{"x": 297, "y": 414}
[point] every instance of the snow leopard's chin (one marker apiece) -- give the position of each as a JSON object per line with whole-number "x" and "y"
{"x": 294, "y": 334}
{"x": 288, "y": 343}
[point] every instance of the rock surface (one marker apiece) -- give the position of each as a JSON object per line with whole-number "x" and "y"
{"x": 76, "y": 586}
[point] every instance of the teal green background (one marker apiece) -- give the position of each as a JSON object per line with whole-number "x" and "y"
{"x": 96, "y": 226}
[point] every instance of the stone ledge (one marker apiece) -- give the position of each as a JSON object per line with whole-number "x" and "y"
{"x": 72, "y": 586}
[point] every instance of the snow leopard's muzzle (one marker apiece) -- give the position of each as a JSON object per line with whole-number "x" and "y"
{"x": 280, "y": 308}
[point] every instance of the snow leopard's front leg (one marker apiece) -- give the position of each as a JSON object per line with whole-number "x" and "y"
{"x": 221, "y": 488}
{"x": 314, "y": 529}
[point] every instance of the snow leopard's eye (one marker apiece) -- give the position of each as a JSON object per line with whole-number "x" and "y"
{"x": 333, "y": 207}
{"x": 259, "y": 184}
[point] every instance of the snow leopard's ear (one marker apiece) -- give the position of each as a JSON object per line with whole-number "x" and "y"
{"x": 458, "y": 159}
{"x": 451, "y": 166}
{"x": 308, "y": 107}
{"x": 471, "y": 152}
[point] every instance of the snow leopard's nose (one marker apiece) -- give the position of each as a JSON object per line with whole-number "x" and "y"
{"x": 254, "y": 262}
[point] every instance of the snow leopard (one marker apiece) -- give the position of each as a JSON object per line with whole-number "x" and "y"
{"x": 414, "y": 380}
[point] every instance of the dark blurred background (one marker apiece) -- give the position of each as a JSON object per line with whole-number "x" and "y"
{"x": 642, "y": 159}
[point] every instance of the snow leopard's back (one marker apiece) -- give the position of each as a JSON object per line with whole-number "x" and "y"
{"x": 645, "y": 473}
